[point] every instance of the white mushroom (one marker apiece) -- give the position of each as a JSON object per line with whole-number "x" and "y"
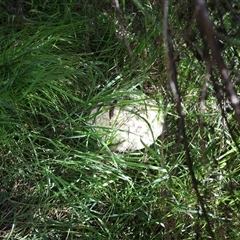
{"x": 129, "y": 124}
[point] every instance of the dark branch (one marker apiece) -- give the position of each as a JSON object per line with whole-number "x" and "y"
{"x": 172, "y": 76}
{"x": 206, "y": 25}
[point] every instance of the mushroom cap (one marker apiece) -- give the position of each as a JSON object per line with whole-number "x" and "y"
{"x": 128, "y": 125}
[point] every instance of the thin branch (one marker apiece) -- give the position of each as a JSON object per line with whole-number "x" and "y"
{"x": 172, "y": 75}
{"x": 220, "y": 102}
{"x": 123, "y": 30}
{"x": 202, "y": 109}
{"x": 205, "y": 22}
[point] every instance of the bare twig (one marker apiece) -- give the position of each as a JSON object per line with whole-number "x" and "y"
{"x": 123, "y": 30}
{"x": 220, "y": 102}
{"x": 202, "y": 109}
{"x": 172, "y": 75}
{"x": 205, "y": 22}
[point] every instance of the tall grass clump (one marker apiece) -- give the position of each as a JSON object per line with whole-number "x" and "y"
{"x": 56, "y": 183}
{"x": 59, "y": 180}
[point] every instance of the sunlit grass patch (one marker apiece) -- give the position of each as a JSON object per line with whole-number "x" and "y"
{"x": 59, "y": 177}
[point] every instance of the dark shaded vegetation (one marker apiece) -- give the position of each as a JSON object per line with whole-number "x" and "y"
{"x": 59, "y": 59}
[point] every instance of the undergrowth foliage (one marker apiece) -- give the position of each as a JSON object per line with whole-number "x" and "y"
{"x": 59, "y": 60}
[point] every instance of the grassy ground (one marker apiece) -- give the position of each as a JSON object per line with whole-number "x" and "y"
{"x": 56, "y": 182}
